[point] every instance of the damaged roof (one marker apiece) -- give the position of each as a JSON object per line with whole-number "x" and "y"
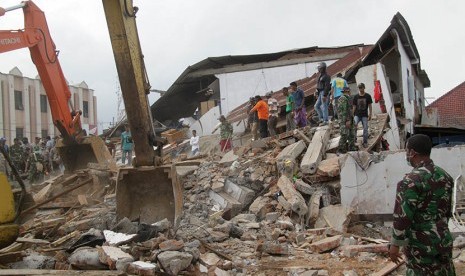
{"x": 344, "y": 65}
{"x": 388, "y": 40}
{"x": 449, "y": 106}
{"x": 185, "y": 93}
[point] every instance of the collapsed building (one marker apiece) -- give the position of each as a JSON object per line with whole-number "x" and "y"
{"x": 283, "y": 205}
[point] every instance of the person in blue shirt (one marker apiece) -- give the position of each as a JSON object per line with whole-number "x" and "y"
{"x": 126, "y": 146}
{"x": 337, "y": 87}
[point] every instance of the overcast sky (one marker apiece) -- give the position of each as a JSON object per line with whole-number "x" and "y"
{"x": 175, "y": 34}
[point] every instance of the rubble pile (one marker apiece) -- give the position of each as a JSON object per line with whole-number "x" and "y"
{"x": 268, "y": 208}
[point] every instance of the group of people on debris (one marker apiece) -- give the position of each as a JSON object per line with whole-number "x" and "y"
{"x": 263, "y": 112}
{"x": 33, "y": 160}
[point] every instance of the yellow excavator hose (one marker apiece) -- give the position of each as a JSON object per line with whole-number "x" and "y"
{"x": 9, "y": 231}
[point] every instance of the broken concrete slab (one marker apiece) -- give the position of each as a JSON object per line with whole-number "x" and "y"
{"x": 174, "y": 261}
{"x": 305, "y": 188}
{"x": 242, "y": 194}
{"x": 292, "y": 196}
{"x": 228, "y": 158}
{"x": 335, "y": 216}
{"x": 171, "y": 245}
{"x": 329, "y": 167}
{"x": 313, "y": 208}
{"x": 326, "y": 244}
{"x": 217, "y": 186}
{"x": 209, "y": 259}
{"x": 261, "y": 206}
{"x": 315, "y": 151}
{"x": 35, "y": 261}
{"x": 114, "y": 238}
{"x": 273, "y": 248}
{"x": 86, "y": 258}
{"x": 110, "y": 255}
{"x": 289, "y": 154}
{"x": 142, "y": 268}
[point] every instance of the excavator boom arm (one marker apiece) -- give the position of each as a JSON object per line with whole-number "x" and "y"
{"x": 36, "y": 36}
{"x": 121, "y": 21}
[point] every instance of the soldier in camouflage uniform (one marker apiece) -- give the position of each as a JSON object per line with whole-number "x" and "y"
{"x": 16, "y": 155}
{"x": 421, "y": 213}
{"x": 346, "y": 122}
{"x": 36, "y": 162}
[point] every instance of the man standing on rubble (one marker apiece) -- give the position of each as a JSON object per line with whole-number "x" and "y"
{"x": 346, "y": 122}
{"x": 274, "y": 113}
{"x": 337, "y": 89}
{"x": 323, "y": 87}
{"x": 290, "y": 123}
{"x": 253, "y": 119}
{"x": 300, "y": 113}
{"x": 362, "y": 104}
{"x": 194, "y": 142}
{"x": 262, "y": 108}
{"x": 226, "y": 132}
{"x": 421, "y": 213}
{"x": 126, "y": 145}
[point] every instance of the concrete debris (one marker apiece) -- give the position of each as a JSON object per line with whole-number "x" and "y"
{"x": 252, "y": 211}
{"x": 326, "y": 244}
{"x": 292, "y": 196}
{"x": 335, "y": 216}
{"x": 86, "y": 258}
{"x": 114, "y": 238}
{"x": 142, "y": 268}
{"x": 109, "y": 255}
{"x": 173, "y": 261}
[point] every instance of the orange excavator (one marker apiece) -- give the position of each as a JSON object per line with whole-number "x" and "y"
{"x": 75, "y": 149}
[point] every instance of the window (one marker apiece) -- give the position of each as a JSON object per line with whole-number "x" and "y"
{"x": 85, "y": 107}
{"x": 19, "y": 100}
{"x": 19, "y": 133}
{"x": 43, "y": 103}
{"x": 44, "y": 133}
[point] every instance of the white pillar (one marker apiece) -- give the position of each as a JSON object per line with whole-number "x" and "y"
{"x": 90, "y": 105}
{"x": 27, "y": 108}
{"x": 80, "y": 98}
{"x": 11, "y": 93}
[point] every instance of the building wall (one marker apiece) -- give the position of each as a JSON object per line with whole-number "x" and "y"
{"x": 236, "y": 88}
{"x": 372, "y": 191}
{"x": 407, "y": 77}
{"x": 31, "y": 119}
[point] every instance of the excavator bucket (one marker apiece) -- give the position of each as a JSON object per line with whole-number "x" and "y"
{"x": 91, "y": 150}
{"x": 149, "y": 194}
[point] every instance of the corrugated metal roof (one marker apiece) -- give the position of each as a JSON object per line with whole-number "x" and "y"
{"x": 181, "y": 99}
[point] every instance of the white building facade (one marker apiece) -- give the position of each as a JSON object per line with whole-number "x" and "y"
{"x": 25, "y": 110}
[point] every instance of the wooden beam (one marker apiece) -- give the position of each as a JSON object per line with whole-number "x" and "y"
{"x": 56, "y": 196}
{"x": 390, "y": 267}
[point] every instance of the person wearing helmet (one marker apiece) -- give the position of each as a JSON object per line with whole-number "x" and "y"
{"x": 273, "y": 113}
{"x": 323, "y": 87}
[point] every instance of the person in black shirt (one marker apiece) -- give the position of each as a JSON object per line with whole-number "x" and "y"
{"x": 362, "y": 111}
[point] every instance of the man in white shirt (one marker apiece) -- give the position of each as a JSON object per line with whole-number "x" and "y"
{"x": 273, "y": 110}
{"x": 194, "y": 142}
